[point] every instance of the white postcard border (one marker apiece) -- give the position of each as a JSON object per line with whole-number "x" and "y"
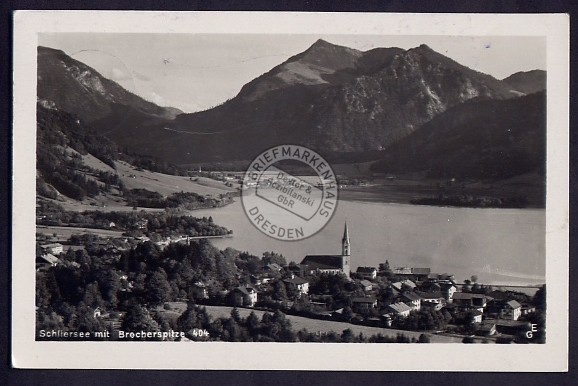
{"x": 28, "y": 353}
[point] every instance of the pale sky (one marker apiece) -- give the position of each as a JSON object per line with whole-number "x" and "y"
{"x": 194, "y": 72}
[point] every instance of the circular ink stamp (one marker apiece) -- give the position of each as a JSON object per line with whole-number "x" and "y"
{"x": 289, "y": 192}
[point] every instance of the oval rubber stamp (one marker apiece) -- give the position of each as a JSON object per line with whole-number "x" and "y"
{"x": 289, "y": 192}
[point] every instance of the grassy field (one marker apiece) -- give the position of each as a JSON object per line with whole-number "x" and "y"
{"x": 312, "y": 325}
{"x": 164, "y": 184}
{"x": 66, "y": 232}
{"x": 94, "y": 163}
{"x": 167, "y": 184}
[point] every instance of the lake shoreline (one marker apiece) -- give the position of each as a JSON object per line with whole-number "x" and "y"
{"x": 398, "y": 195}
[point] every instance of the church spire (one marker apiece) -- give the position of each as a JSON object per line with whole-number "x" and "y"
{"x": 345, "y": 244}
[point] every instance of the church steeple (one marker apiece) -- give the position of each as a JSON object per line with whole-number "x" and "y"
{"x": 345, "y": 244}
{"x": 346, "y": 253}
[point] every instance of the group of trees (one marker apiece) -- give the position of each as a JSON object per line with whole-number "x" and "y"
{"x": 63, "y": 169}
{"x": 148, "y": 199}
{"x": 470, "y": 201}
{"x": 142, "y": 275}
{"x": 272, "y": 327}
{"x": 162, "y": 223}
{"x": 423, "y": 320}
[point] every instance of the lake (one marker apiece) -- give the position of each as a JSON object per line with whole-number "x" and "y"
{"x": 500, "y": 246}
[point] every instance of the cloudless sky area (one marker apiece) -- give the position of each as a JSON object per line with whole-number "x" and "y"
{"x": 194, "y": 72}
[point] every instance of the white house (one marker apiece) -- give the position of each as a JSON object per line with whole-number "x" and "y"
{"x": 54, "y": 248}
{"x": 399, "y": 309}
{"x": 369, "y": 273}
{"x": 511, "y": 310}
{"x": 299, "y": 284}
{"x": 412, "y": 299}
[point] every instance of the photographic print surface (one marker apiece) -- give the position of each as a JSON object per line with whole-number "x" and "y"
{"x": 311, "y": 186}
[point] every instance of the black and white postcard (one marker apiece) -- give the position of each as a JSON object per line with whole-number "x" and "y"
{"x": 316, "y": 191}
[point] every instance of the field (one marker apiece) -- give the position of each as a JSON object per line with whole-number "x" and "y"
{"x": 132, "y": 178}
{"x": 312, "y": 325}
{"x": 167, "y": 184}
{"x": 65, "y": 232}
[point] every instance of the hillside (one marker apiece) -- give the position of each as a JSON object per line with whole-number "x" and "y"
{"x": 480, "y": 139}
{"x": 333, "y": 99}
{"x": 527, "y": 82}
{"x": 417, "y": 109}
{"x": 77, "y": 166}
{"x": 74, "y": 87}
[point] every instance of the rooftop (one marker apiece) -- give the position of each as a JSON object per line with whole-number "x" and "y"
{"x": 399, "y": 307}
{"x": 323, "y": 261}
{"x": 366, "y": 269}
{"x": 296, "y": 280}
{"x": 363, "y": 300}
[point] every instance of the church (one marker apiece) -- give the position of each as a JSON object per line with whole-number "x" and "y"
{"x": 333, "y": 264}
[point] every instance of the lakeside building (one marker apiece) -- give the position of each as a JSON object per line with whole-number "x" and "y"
{"x": 332, "y": 264}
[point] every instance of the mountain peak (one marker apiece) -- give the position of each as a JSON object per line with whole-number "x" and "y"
{"x": 324, "y": 45}
{"x": 422, "y": 48}
{"x": 320, "y": 42}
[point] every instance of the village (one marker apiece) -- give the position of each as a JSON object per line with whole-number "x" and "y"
{"x": 160, "y": 271}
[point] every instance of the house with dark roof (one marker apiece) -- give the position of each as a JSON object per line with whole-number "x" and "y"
{"x": 448, "y": 289}
{"x": 331, "y": 264}
{"x": 486, "y": 328}
{"x": 432, "y": 300}
{"x": 511, "y": 327}
{"x": 476, "y": 315}
{"x": 244, "y": 296}
{"x": 412, "y": 299}
{"x": 430, "y": 286}
{"x": 369, "y": 273}
{"x": 469, "y": 301}
{"x": 366, "y": 285}
{"x": 363, "y": 304}
{"x": 414, "y": 274}
{"x": 298, "y": 284}
{"x": 273, "y": 267}
{"x": 398, "y": 285}
{"x": 199, "y": 290}
{"x": 300, "y": 270}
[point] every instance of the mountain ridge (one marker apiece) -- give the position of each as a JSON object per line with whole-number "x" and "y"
{"x": 331, "y": 98}
{"x": 76, "y": 87}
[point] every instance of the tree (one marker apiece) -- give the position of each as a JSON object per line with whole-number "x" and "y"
{"x": 92, "y": 296}
{"x": 539, "y": 299}
{"x": 279, "y": 291}
{"x": 467, "y": 287}
{"x": 48, "y": 320}
{"x": 423, "y": 338}
{"x": 274, "y": 258}
{"x": 86, "y": 322}
{"x": 253, "y": 324}
{"x": 236, "y": 315}
{"x": 138, "y": 319}
{"x": 158, "y": 289}
{"x": 43, "y": 295}
{"x": 347, "y": 314}
{"x": 347, "y": 336}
